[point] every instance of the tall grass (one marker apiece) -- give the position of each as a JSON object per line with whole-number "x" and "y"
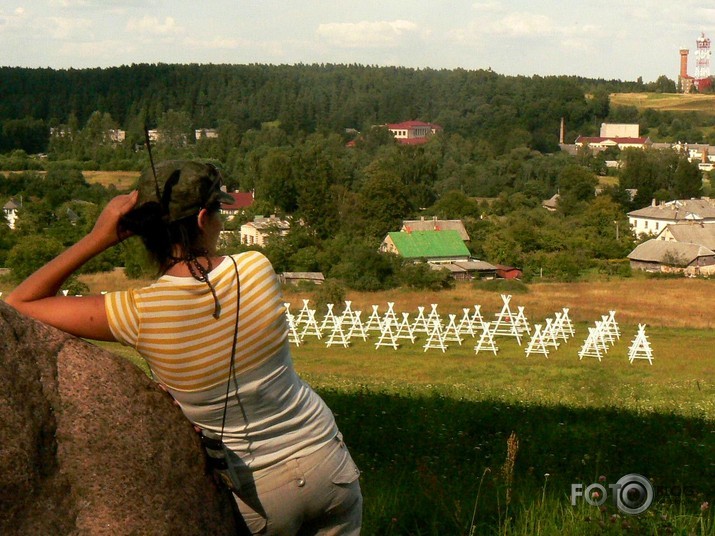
{"x": 431, "y": 431}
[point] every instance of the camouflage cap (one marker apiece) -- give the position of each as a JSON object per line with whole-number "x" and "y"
{"x": 182, "y": 187}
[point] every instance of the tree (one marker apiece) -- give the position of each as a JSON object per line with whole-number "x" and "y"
{"x": 688, "y": 181}
{"x": 28, "y": 256}
{"x": 576, "y": 184}
{"x": 384, "y": 203}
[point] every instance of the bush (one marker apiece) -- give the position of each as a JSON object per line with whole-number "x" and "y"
{"x": 615, "y": 267}
{"x": 29, "y": 255}
{"x": 331, "y": 291}
{"x": 422, "y": 277}
{"x": 511, "y": 286}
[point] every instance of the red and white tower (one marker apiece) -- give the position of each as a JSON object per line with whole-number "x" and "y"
{"x": 702, "y": 63}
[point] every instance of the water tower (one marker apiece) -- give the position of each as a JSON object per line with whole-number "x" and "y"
{"x": 702, "y": 63}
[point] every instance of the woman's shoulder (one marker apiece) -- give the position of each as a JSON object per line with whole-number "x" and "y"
{"x": 250, "y": 257}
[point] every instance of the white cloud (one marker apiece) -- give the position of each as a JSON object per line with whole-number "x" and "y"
{"x": 14, "y": 19}
{"x": 366, "y": 34}
{"x": 152, "y": 25}
{"x": 66, "y": 28}
{"x": 523, "y": 25}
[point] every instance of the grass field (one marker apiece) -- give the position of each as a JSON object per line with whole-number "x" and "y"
{"x": 671, "y": 102}
{"x": 122, "y": 180}
{"x": 431, "y": 430}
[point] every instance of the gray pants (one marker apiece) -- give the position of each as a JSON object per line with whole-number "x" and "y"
{"x": 317, "y": 494}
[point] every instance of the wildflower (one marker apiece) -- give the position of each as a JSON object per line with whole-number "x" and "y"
{"x": 705, "y": 506}
{"x": 595, "y": 495}
{"x": 601, "y": 479}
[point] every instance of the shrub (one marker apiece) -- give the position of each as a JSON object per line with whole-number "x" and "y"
{"x": 331, "y": 291}
{"x": 421, "y": 276}
{"x": 29, "y": 255}
{"x": 512, "y": 286}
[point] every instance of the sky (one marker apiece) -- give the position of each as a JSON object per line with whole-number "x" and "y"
{"x": 612, "y": 39}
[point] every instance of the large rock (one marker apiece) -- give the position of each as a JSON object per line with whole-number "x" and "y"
{"x": 89, "y": 445}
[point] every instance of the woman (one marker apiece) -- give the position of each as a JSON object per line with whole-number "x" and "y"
{"x": 213, "y": 332}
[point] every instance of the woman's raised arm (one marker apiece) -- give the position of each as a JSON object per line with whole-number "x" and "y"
{"x": 83, "y": 316}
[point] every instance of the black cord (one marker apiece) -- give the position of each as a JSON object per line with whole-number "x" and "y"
{"x": 233, "y": 350}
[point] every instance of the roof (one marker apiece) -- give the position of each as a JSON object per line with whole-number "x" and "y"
{"x": 413, "y": 124}
{"x": 654, "y": 250}
{"x": 272, "y": 222}
{"x": 429, "y": 244}
{"x": 454, "y": 268}
{"x": 476, "y": 266}
{"x": 434, "y": 224}
{"x": 505, "y": 268}
{"x": 240, "y": 200}
{"x": 680, "y": 209}
{"x": 694, "y": 233}
{"x": 11, "y": 205}
{"x": 552, "y": 202}
{"x": 309, "y": 276}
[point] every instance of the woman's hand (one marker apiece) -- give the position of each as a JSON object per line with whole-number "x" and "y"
{"x": 105, "y": 230}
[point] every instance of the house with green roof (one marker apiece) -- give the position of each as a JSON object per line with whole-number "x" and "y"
{"x": 433, "y": 246}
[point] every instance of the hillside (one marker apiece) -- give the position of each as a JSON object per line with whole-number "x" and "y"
{"x": 666, "y": 102}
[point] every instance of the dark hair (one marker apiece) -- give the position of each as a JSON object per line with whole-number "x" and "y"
{"x": 162, "y": 238}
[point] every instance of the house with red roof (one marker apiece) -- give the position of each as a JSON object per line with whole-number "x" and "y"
{"x": 620, "y": 135}
{"x": 413, "y": 132}
{"x": 241, "y": 201}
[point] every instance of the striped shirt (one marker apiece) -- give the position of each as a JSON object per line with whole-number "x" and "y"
{"x": 171, "y": 323}
{"x": 270, "y": 414}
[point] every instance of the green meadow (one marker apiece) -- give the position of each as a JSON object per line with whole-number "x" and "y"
{"x": 465, "y": 443}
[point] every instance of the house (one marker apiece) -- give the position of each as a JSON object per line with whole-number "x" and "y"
{"x": 433, "y": 246}
{"x": 293, "y": 278}
{"x": 601, "y": 143}
{"x": 257, "y": 231}
{"x": 435, "y": 225}
{"x": 413, "y": 132}
{"x": 241, "y": 201}
{"x": 207, "y": 133}
{"x": 654, "y": 218}
{"x": 552, "y": 203}
{"x": 667, "y": 256}
{"x": 620, "y": 135}
{"x": 467, "y": 270}
{"x": 508, "y": 272}
{"x": 690, "y": 232}
{"x": 10, "y": 210}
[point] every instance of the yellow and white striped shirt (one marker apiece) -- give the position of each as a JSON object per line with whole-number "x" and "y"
{"x": 170, "y": 323}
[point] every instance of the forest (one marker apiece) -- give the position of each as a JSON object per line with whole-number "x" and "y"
{"x": 283, "y": 132}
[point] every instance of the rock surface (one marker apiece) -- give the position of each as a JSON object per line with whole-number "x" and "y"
{"x": 90, "y": 445}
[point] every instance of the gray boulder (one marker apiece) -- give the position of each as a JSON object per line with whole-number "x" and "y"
{"x": 90, "y": 445}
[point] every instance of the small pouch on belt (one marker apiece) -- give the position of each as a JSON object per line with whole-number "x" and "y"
{"x": 219, "y": 461}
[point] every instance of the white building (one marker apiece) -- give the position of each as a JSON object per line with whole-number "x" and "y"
{"x": 257, "y": 231}
{"x": 208, "y": 133}
{"x": 10, "y": 211}
{"x": 654, "y": 218}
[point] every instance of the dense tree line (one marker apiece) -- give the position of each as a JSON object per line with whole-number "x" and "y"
{"x": 282, "y": 134}
{"x": 477, "y": 104}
